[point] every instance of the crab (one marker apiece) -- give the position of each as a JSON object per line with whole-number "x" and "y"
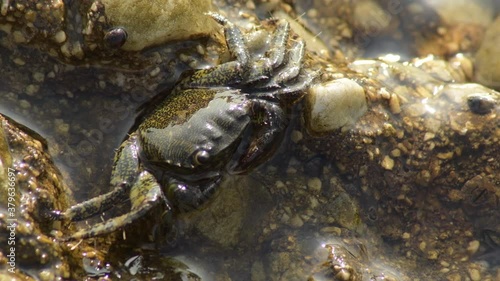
{"x": 223, "y": 120}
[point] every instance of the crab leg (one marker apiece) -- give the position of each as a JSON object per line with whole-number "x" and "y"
{"x": 276, "y": 52}
{"x": 229, "y": 73}
{"x": 263, "y": 67}
{"x": 292, "y": 66}
{"x": 145, "y": 194}
{"x": 124, "y": 174}
{"x": 234, "y": 39}
{"x": 186, "y": 199}
{"x": 268, "y": 130}
{"x": 93, "y": 206}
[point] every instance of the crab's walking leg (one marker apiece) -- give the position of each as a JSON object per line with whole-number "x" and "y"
{"x": 292, "y": 91}
{"x": 262, "y": 68}
{"x": 124, "y": 175}
{"x": 277, "y": 47}
{"x": 234, "y": 40}
{"x": 293, "y": 64}
{"x": 297, "y": 87}
{"x": 228, "y": 73}
{"x": 144, "y": 195}
{"x": 93, "y": 206}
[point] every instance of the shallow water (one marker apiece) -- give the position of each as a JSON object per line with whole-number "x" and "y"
{"x": 274, "y": 224}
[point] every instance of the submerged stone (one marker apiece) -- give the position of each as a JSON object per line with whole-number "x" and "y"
{"x": 150, "y": 23}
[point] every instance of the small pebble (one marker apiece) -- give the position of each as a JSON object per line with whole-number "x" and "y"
{"x": 285, "y": 218}
{"x": 396, "y": 152}
{"x": 38, "y": 76}
{"x": 24, "y": 104}
{"x": 334, "y": 104}
{"x": 422, "y": 246}
{"x": 296, "y": 136}
{"x": 445, "y": 155}
{"x": 394, "y": 104}
{"x": 32, "y": 89}
{"x": 314, "y": 184}
{"x": 18, "y": 37}
{"x": 332, "y": 229}
{"x": 429, "y": 136}
{"x": 416, "y": 110}
{"x": 474, "y": 274}
{"x": 19, "y": 61}
{"x": 279, "y": 184}
{"x": 296, "y": 222}
{"x": 61, "y": 127}
{"x": 250, "y": 5}
{"x": 313, "y": 202}
{"x": 312, "y": 13}
{"x": 432, "y": 254}
{"x": 60, "y": 37}
{"x": 46, "y": 275}
{"x": 387, "y": 163}
{"x": 291, "y": 171}
{"x": 473, "y": 247}
{"x": 155, "y": 72}
{"x": 454, "y": 277}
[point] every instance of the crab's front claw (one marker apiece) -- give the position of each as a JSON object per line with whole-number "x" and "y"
{"x": 186, "y": 198}
{"x": 268, "y": 128}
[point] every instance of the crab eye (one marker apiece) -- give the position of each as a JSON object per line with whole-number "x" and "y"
{"x": 201, "y": 157}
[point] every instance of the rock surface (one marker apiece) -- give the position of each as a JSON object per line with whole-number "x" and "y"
{"x": 30, "y": 186}
{"x": 487, "y": 61}
{"x": 150, "y": 23}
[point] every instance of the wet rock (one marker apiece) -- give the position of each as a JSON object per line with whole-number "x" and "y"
{"x": 341, "y": 264}
{"x": 30, "y": 186}
{"x": 438, "y": 143}
{"x": 106, "y": 33}
{"x": 333, "y": 26}
{"x": 333, "y": 105}
{"x": 445, "y": 28}
{"x": 346, "y": 262}
{"x": 479, "y": 99}
{"x": 487, "y": 60}
{"x": 456, "y": 70}
{"x": 468, "y": 12}
{"x": 371, "y": 18}
{"x": 346, "y": 210}
{"x": 223, "y": 220}
{"x": 69, "y": 30}
{"x": 422, "y": 162}
{"x": 152, "y": 23}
